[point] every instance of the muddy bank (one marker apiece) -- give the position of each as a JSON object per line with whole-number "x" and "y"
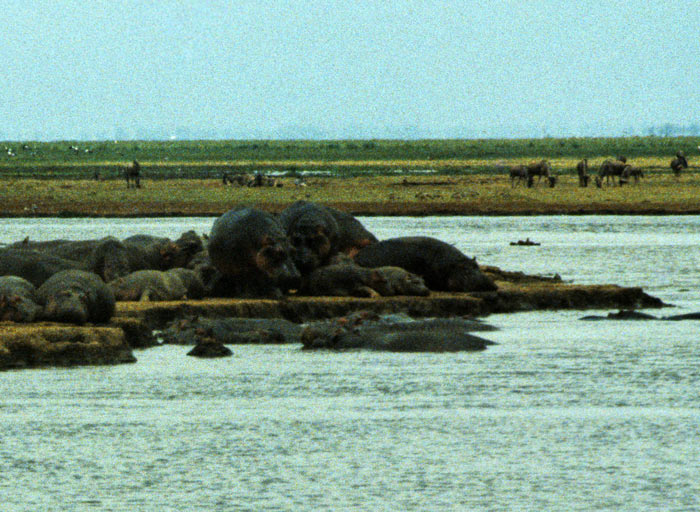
{"x": 40, "y": 345}
{"x": 45, "y": 344}
{"x": 510, "y": 298}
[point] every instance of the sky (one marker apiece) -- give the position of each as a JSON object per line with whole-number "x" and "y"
{"x": 301, "y": 69}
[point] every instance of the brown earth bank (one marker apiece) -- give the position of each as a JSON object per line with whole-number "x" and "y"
{"x": 657, "y": 194}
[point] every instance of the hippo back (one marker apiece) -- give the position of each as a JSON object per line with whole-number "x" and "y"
{"x": 442, "y": 266}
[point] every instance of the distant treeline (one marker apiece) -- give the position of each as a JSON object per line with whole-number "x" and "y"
{"x": 207, "y": 158}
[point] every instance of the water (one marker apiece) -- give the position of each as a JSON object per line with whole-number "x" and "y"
{"x": 560, "y": 415}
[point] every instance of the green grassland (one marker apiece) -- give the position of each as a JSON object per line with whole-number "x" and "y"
{"x": 207, "y": 158}
{"x": 377, "y": 177}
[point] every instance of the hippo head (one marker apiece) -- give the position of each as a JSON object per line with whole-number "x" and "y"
{"x": 411, "y": 284}
{"x": 17, "y": 309}
{"x": 274, "y": 260}
{"x": 314, "y": 242}
{"x": 467, "y": 277}
{"x": 67, "y": 306}
{"x": 169, "y": 256}
{"x": 189, "y": 244}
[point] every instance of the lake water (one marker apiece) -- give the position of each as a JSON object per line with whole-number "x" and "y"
{"x": 562, "y": 414}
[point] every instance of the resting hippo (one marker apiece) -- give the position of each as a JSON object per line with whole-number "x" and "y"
{"x": 161, "y": 253}
{"x": 350, "y": 279}
{"x": 106, "y": 257}
{"x": 368, "y": 331}
{"x": 34, "y": 266}
{"x": 442, "y": 266}
{"x": 251, "y": 251}
{"x": 76, "y": 296}
{"x": 343, "y": 280}
{"x": 194, "y": 285}
{"x": 398, "y": 281}
{"x": 18, "y": 301}
{"x": 148, "y": 285}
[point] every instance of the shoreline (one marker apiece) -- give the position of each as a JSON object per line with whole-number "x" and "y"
{"x": 367, "y": 213}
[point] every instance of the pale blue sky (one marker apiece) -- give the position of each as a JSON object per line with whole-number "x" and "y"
{"x": 346, "y": 69}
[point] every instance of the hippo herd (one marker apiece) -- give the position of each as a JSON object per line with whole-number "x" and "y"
{"x": 307, "y": 249}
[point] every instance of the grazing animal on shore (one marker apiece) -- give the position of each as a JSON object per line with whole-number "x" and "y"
{"x": 518, "y": 174}
{"x": 582, "y": 170}
{"x": 679, "y": 163}
{"x": 132, "y": 174}
{"x": 611, "y": 168}
{"x": 539, "y": 169}
{"x": 631, "y": 172}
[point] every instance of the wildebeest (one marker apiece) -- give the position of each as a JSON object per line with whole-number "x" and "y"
{"x": 582, "y": 170}
{"x": 539, "y": 169}
{"x": 631, "y": 172}
{"x": 132, "y": 174}
{"x": 518, "y": 173}
{"x": 679, "y": 163}
{"x": 611, "y": 168}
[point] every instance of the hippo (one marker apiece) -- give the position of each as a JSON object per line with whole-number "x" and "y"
{"x": 314, "y": 233}
{"x": 364, "y": 330}
{"x": 162, "y": 253}
{"x": 442, "y": 266}
{"x": 320, "y": 232}
{"x": 252, "y": 253}
{"x": 350, "y": 279}
{"x": 398, "y": 281}
{"x": 194, "y": 285}
{"x": 149, "y": 285}
{"x": 210, "y": 349}
{"x": 18, "y": 300}
{"x": 107, "y": 257}
{"x": 76, "y": 296}
{"x": 352, "y": 235}
{"x": 232, "y": 331}
{"x": 343, "y": 280}
{"x": 34, "y": 266}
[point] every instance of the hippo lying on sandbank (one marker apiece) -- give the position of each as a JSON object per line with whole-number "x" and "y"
{"x": 157, "y": 285}
{"x": 442, "y": 266}
{"x": 364, "y": 330}
{"x": 34, "y": 266}
{"x": 349, "y": 279}
{"x": 76, "y": 296}
{"x": 18, "y": 300}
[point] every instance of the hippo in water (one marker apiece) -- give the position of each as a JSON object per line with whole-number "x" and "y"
{"x": 442, "y": 266}
{"x": 76, "y": 296}
{"x": 251, "y": 251}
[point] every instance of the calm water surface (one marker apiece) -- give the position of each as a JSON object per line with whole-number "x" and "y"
{"x": 560, "y": 415}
